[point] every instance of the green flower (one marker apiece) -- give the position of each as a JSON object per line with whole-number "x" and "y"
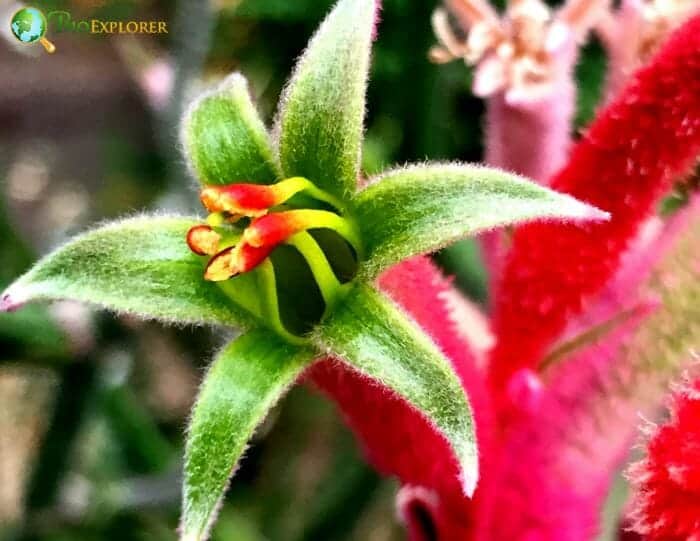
{"x": 289, "y": 255}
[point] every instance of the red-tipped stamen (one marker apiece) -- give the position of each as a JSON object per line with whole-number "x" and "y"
{"x": 273, "y": 229}
{"x": 239, "y": 199}
{"x": 203, "y": 240}
{"x": 266, "y": 230}
{"x": 248, "y": 257}
{"x": 254, "y": 200}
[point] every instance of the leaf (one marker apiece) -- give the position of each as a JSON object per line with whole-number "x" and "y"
{"x": 245, "y": 381}
{"x": 140, "y": 266}
{"x": 322, "y": 109}
{"x": 423, "y": 208}
{"x": 371, "y": 334}
{"x": 224, "y": 138}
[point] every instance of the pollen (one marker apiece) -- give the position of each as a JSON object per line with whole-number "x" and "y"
{"x": 221, "y": 267}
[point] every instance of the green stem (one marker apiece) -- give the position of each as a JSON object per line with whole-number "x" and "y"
{"x": 320, "y": 267}
{"x": 269, "y": 302}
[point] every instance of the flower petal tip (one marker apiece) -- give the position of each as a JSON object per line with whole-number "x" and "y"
{"x": 10, "y": 302}
{"x": 599, "y": 215}
{"x": 469, "y": 478}
{"x": 469, "y": 483}
{"x": 581, "y": 211}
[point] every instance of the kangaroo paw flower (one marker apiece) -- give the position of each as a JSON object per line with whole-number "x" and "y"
{"x": 625, "y": 163}
{"x": 515, "y": 53}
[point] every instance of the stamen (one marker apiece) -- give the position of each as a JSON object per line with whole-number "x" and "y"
{"x": 238, "y": 199}
{"x": 236, "y": 251}
{"x": 255, "y": 200}
{"x": 275, "y": 228}
{"x": 320, "y": 267}
{"x": 248, "y": 257}
{"x": 235, "y": 260}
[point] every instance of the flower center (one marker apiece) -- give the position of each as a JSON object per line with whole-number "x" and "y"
{"x": 295, "y": 240}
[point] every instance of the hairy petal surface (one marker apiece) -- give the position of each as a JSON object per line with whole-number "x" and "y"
{"x": 423, "y": 208}
{"x": 245, "y": 381}
{"x": 624, "y": 164}
{"x": 370, "y": 334}
{"x": 560, "y": 450}
{"x": 322, "y": 109}
{"x": 139, "y": 266}
{"x": 224, "y": 139}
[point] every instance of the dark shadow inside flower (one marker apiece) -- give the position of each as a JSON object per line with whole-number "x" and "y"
{"x": 341, "y": 256}
{"x": 301, "y": 305}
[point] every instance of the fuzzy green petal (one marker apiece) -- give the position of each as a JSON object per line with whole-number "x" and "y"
{"x": 225, "y": 140}
{"x": 245, "y": 381}
{"x": 423, "y": 208}
{"x": 322, "y": 110}
{"x": 139, "y": 266}
{"x": 371, "y": 334}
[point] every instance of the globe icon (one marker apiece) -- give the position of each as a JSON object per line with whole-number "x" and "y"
{"x": 29, "y": 26}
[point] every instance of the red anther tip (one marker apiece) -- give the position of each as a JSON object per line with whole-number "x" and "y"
{"x": 235, "y": 260}
{"x": 245, "y": 199}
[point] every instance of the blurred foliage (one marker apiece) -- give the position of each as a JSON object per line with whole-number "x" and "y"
{"x": 96, "y": 405}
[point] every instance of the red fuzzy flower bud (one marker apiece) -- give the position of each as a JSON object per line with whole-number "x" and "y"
{"x": 667, "y": 502}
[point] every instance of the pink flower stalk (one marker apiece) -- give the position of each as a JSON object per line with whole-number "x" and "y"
{"x": 590, "y": 324}
{"x": 523, "y": 64}
{"x": 667, "y": 480}
{"x": 625, "y": 163}
{"x": 633, "y": 32}
{"x": 568, "y": 449}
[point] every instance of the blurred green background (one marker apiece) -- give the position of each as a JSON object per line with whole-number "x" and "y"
{"x": 93, "y": 407}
